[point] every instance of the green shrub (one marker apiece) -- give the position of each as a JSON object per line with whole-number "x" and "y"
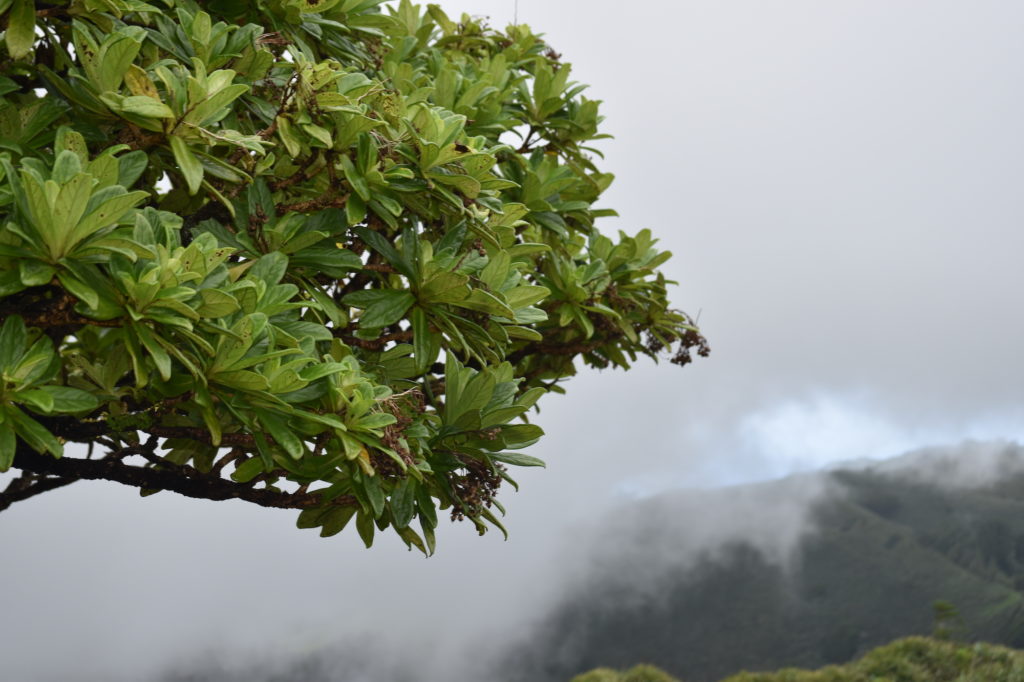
{"x": 914, "y": 659}
{"x": 640, "y": 673}
{"x": 322, "y": 255}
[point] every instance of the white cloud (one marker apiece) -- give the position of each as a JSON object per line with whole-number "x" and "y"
{"x": 827, "y": 429}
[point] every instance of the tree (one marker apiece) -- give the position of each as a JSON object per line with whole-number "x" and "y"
{"x": 320, "y": 255}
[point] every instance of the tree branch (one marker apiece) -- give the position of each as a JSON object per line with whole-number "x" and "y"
{"x": 28, "y": 485}
{"x": 312, "y": 205}
{"x": 378, "y": 343}
{"x": 241, "y": 440}
{"x": 183, "y": 480}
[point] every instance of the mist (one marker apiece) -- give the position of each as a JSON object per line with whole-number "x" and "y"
{"x": 839, "y": 183}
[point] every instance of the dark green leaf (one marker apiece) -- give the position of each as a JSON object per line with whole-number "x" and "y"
{"x": 33, "y": 433}
{"x": 382, "y": 306}
{"x": 403, "y": 503}
{"x": 281, "y": 432}
{"x": 248, "y": 470}
{"x": 335, "y": 520}
{"x": 13, "y": 336}
{"x": 517, "y": 459}
{"x": 8, "y": 443}
{"x": 365, "y": 528}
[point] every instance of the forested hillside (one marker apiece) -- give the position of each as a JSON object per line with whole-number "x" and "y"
{"x": 914, "y": 659}
{"x": 880, "y": 551}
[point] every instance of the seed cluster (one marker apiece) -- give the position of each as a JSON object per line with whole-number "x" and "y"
{"x": 474, "y": 486}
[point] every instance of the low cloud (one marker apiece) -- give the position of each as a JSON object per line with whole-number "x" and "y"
{"x": 830, "y": 429}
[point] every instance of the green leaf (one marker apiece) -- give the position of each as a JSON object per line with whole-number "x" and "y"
{"x": 33, "y": 433}
{"x": 13, "y": 337}
{"x": 70, "y": 203}
{"x": 212, "y": 107}
{"x": 10, "y": 283}
{"x": 281, "y": 432}
{"x": 106, "y": 213}
{"x": 374, "y": 493}
{"x": 384, "y": 247}
{"x": 160, "y": 357}
{"x": 270, "y": 268}
{"x": 486, "y": 302}
{"x": 374, "y": 421}
{"x": 33, "y": 364}
{"x": 444, "y": 287}
{"x": 118, "y": 52}
{"x": 521, "y": 435}
{"x": 314, "y": 372}
{"x": 355, "y": 210}
{"x": 526, "y": 295}
{"x": 8, "y": 446}
{"x": 65, "y": 167}
{"x": 79, "y": 289}
{"x": 365, "y": 527}
{"x": 425, "y": 345}
{"x": 517, "y": 459}
{"x": 382, "y": 306}
{"x": 69, "y": 399}
{"x": 188, "y": 164}
{"x": 216, "y": 303}
{"x": 40, "y": 400}
{"x": 242, "y": 379}
{"x": 410, "y": 538}
{"x": 355, "y": 178}
{"x": 21, "y": 28}
{"x": 335, "y": 520}
{"x": 427, "y": 509}
{"x": 403, "y": 503}
{"x": 130, "y": 167}
{"x": 146, "y": 107}
{"x": 248, "y": 470}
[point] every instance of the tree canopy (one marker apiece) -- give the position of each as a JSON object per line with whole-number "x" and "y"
{"x": 323, "y": 255}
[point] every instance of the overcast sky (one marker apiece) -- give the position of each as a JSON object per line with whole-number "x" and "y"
{"x": 840, "y": 183}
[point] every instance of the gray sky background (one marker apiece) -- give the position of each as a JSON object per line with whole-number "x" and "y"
{"x": 840, "y": 183}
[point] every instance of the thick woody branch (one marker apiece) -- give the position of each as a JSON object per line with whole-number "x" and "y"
{"x": 28, "y": 485}
{"x": 240, "y": 440}
{"x": 180, "y": 479}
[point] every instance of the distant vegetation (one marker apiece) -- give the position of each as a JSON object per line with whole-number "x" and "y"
{"x": 914, "y": 659}
{"x": 640, "y": 673}
{"x": 890, "y": 557}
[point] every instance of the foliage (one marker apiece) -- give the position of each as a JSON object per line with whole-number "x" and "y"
{"x": 639, "y": 673}
{"x": 946, "y": 618}
{"x": 314, "y": 254}
{"x": 915, "y": 659}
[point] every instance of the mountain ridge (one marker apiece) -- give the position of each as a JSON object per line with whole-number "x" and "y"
{"x": 880, "y": 545}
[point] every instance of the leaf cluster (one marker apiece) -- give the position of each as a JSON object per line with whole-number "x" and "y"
{"x": 330, "y": 249}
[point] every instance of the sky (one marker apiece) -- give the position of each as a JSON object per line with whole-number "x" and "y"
{"x": 840, "y": 185}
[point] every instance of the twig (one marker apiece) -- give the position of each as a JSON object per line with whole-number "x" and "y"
{"x": 378, "y": 343}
